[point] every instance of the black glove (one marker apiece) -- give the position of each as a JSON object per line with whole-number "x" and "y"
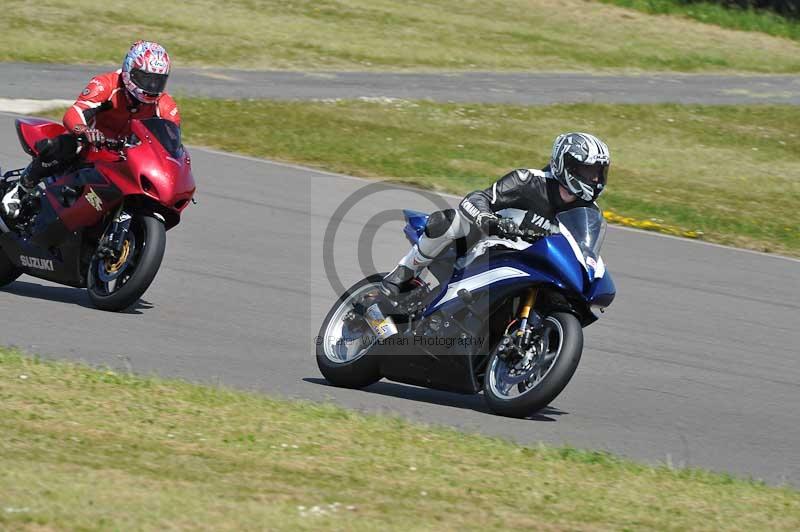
{"x": 502, "y": 227}
{"x": 533, "y": 234}
{"x": 93, "y": 136}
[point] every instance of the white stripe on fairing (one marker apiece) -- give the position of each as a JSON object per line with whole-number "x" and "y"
{"x": 482, "y": 279}
{"x": 573, "y": 244}
{"x": 601, "y": 268}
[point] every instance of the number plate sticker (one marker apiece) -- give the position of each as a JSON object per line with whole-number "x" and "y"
{"x": 382, "y": 326}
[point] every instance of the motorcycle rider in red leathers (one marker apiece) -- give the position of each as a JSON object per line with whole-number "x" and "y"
{"x": 103, "y": 110}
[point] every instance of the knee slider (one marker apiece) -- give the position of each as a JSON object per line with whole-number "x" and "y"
{"x": 439, "y": 222}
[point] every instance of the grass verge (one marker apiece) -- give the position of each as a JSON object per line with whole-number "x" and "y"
{"x": 764, "y": 20}
{"x": 385, "y": 34}
{"x": 88, "y": 449}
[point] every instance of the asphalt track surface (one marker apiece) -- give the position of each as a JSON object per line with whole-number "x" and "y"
{"x": 695, "y": 363}
{"x": 21, "y": 80}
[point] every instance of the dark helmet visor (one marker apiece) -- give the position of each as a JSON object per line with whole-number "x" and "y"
{"x": 594, "y": 175}
{"x": 591, "y": 174}
{"x": 149, "y": 82}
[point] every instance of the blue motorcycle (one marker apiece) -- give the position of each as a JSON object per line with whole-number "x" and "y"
{"x": 505, "y": 316}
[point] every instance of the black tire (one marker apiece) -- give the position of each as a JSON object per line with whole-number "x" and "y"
{"x": 357, "y": 373}
{"x": 8, "y": 272}
{"x": 151, "y": 241}
{"x": 554, "y": 381}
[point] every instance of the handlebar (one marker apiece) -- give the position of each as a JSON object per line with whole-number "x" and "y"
{"x": 528, "y": 235}
{"x": 110, "y": 144}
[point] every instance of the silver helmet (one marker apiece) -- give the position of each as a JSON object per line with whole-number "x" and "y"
{"x": 580, "y": 163}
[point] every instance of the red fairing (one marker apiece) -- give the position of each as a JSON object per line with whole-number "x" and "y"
{"x": 153, "y": 172}
{"x": 83, "y": 213}
{"x": 145, "y": 169}
{"x": 32, "y": 130}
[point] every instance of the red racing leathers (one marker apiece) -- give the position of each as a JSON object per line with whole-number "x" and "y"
{"x": 106, "y": 105}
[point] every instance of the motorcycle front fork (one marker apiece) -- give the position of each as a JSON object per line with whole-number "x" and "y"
{"x": 525, "y": 317}
{"x": 113, "y": 239}
{"x": 519, "y": 342}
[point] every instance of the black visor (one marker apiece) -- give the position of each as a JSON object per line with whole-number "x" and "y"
{"x": 149, "y": 82}
{"x": 591, "y": 174}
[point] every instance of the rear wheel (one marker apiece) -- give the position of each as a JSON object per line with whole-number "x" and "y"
{"x": 116, "y": 284}
{"x": 520, "y": 387}
{"x": 344, "y": 341}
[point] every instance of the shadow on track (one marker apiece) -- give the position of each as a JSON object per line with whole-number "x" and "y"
{"x": 438, "y": 397}
{"x": 65, "y": 294}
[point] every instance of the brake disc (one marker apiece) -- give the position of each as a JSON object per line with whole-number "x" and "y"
{"x": 110, "y": 269}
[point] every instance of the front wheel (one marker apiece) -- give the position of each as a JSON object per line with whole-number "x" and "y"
{"x": 344, "y": 341}
{"x": 115, "y": 284}
{"x": 522, "y": 387}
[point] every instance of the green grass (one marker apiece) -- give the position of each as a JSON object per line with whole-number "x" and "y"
{"x": 88, "y": 449}
{"x": 387, "y": 35}
{"x": 732, "y": 173}
{"x": 763, "y": 21}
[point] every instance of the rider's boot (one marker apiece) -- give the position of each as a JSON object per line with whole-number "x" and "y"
{"x": 14, "y": 200}
{"x": 401, "y": 281}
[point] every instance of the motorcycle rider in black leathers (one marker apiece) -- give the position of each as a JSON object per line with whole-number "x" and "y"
{"x": 575, "y": 177}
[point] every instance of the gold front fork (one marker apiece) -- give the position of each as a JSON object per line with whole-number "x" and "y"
{"x": 530, "y": 301}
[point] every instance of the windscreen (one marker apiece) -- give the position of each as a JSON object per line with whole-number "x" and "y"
{"x": 588, "y": 228}
{"x": 167, "y": 133}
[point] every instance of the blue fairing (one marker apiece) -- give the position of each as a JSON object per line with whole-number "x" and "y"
{"x": 549, "y": 261}
{"x": 555, "y": 256}
{"x": 602, "y": 291}
{"x": 415, "y": 224}
{"x": 510, "y": 272}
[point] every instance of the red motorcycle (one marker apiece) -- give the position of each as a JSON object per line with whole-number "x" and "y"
{"x": 102, "y": 224}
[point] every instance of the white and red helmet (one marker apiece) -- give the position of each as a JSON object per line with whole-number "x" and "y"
{"x": 145, "y": 71}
